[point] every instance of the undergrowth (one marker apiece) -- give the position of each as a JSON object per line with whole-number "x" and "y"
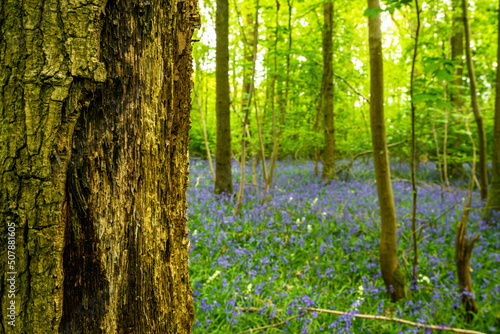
{"x": 315, "y": 245}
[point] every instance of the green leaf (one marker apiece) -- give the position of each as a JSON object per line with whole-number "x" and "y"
{"x": 443, "y": 104}
{"x": 444, "y": 75}
{"x": 424, "y": 97}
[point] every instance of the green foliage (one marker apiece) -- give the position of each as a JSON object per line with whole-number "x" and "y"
{"x": 392, "y": 5}
{"x": 302, "y": 133}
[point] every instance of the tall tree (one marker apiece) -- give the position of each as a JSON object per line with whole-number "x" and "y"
{"x": 223, "y": 178}
{"x": 94, "y": 121}
{"x": 483, "y": 172}
{"x": 272, "y": 98}
{"x": 493, "y": 202}
{"x": 246, "y": 109}
{"x": 464, "y": 246}
{"x": 327, "y": 93}
{"x": 414, "y": 151}
{"x": 456, "y": 91}
{"x": 392, "y": 274}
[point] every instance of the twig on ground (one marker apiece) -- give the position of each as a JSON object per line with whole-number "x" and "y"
{"x": 362, "y": 316}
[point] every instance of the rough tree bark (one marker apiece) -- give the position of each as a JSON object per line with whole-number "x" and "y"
{"x": 327, "y": 93}
{"x": 94, "y": 121}
{"x": 223, "y": 178}
{"x": 392, "y": 274}
{"x": 493, "y": 202}
{"x": 483, "y": 171}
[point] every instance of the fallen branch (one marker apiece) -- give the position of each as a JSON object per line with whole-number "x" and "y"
{"x": 362, "y": 316}
{"x": 406, "y": 322}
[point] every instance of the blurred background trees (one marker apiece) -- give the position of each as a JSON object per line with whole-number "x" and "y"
{"x": 290, "y": 68}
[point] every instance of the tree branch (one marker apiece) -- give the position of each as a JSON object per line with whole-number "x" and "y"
{"x": 352, "y": 88}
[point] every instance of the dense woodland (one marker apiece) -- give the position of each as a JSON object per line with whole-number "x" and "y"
{"x": 345, "y": 164}
{"x": 254, "y": 166}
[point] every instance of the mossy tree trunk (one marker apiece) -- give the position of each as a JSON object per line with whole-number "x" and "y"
{"x": 392, "y": 274}
{"x": 493, "y": 202}
{"x": 94, "y": 121}
{"x": 327, "y": 93}
{"x": 223, "y": 178}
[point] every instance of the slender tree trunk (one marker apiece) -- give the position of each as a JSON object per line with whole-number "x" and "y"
{"x": 392, "y": 274}
{"x": 205, "y": 137}
{"x": 286, "y": 103}
{"x": 327, "y": 93}
{"x": 457, "y": 53}
{"x": 445, "y": 144}
{"x": 247, "y": 109}
{"x": 463, "y": 248}
{"x": 223, "y": 178}
{"x": 414, "y": 152}
{"x": 262, "y": 151}
{"x": 483, "y": 172}
{"x": 493, "y": 202}
{"x": 274, "y": 153}
{"x": 248, "y": 56}
{"x": 456, "y": 87}
{"x": 247, "y": 74}
{"x": 316, "y": 131}
{"x": 94, "y": 121}
{"x": 438, "y": 155}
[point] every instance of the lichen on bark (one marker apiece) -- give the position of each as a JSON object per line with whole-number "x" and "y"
{"x": 94, "y": 121}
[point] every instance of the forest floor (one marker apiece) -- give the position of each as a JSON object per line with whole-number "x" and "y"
{"x": 315, "y": 245}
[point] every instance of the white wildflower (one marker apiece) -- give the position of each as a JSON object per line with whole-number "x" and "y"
{"x": 290, "y": 199}
{"x": 423, "y": 279}
{"x": 309, "y": 228}
{"x": 361, "y": 291}
{"x": 314, "y": 202}
{"x": 211, "y": 278}
{"x": 195, "y": 233}
{"x": 249, "y": 288}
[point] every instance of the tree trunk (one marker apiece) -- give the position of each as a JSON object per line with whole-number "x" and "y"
{"x": 457, "y": 52}
{"x": 414, "y": 152}
{"x": 94, "y": 121}
{"x": 223, "y": 178}
{"x": 248, "y": 59}
{"x": 248, "y": 41}
{"x": 463, "y": 248}
{"x": 392, "y": 274}
{"x": 272, "y": 98}
{"x": 327, "y": 93}
{"x": 493, "y": 202}
{"x": 456, "y": 91}
{"x": 483, "y": 172}
{"x": 246, "y": 109}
